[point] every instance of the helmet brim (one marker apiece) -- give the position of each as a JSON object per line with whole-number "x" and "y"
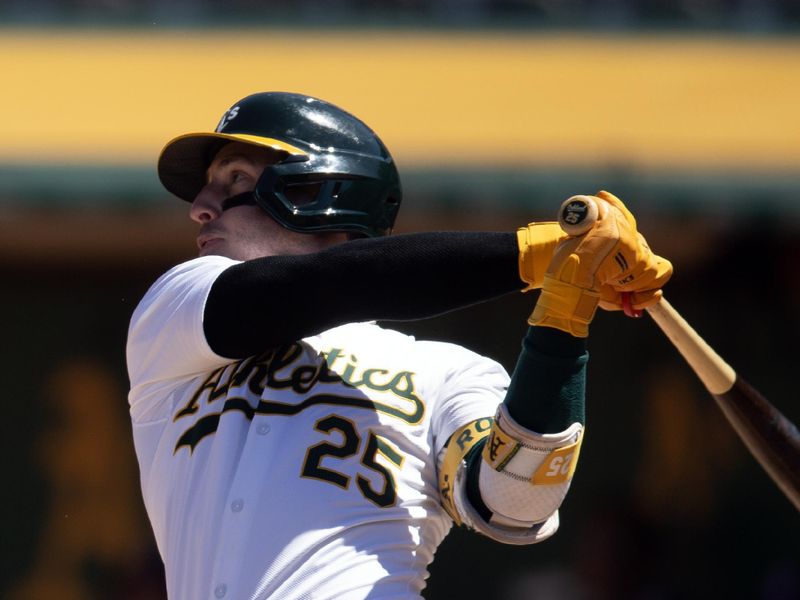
{"x": 184, "y": 160}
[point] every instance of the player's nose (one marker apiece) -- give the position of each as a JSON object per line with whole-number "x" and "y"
{"x": 207, "y": 205}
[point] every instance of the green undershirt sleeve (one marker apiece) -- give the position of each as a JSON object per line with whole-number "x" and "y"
{"x": 548, "y": 386}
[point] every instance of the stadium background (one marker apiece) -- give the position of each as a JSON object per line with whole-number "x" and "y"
{"x": 496, "y": 110}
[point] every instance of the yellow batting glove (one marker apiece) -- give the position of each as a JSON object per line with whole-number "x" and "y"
{"x": 596, "y": 267}
{"x": 614, "y": 253}
{"x": 536, "y": 243}
{"x": 645, "y": 274}
{"x": 611, "y": 298}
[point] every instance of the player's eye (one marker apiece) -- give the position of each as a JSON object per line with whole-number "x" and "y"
{"x": 238, "y": 177}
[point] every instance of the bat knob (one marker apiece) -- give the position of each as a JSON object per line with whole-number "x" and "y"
{"x": 578, "y": 215}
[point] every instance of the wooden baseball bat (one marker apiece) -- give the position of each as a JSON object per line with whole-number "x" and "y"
{"x": 769, "y": 436}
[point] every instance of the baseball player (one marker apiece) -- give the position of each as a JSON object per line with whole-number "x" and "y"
{"x": 292, "y": 448}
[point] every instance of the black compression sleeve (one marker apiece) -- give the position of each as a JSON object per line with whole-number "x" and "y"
{"x": 261, "y": 303}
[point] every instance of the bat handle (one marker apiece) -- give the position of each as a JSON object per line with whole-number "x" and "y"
{"x": 717, "y": 375}
{"x": 578, "y": 215}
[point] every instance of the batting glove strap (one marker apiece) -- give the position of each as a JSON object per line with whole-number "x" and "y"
{"x": 524, "y": 475}
{"x": 565, "y": 306}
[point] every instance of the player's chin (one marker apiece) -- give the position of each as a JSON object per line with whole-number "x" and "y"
{"x": 213, "y": 247}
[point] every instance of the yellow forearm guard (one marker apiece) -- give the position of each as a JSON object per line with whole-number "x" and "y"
{"x": 537, "y": 242}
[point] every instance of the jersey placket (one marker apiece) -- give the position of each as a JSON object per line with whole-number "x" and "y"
{"x": 238, "y": 515}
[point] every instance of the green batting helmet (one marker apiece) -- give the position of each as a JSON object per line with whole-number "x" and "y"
{"x": 358, "y": 184}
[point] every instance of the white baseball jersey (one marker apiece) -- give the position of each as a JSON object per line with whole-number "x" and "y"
{"x": 307, "y": 472}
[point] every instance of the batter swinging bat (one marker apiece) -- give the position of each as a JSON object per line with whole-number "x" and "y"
{"x": 772, "y": 439}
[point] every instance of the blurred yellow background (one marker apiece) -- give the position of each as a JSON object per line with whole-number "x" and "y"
{"x": 507, "y": 98}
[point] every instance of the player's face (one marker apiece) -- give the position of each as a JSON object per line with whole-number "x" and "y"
{"x": 245, "y": 232}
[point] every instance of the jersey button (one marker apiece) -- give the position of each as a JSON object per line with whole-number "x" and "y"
{"x": 237, "y": 505}
{"x": 220, "y": 590}
{"x": 263, "y": 429}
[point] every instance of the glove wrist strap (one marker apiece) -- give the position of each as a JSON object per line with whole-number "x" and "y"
{"x": 565, "y": 306}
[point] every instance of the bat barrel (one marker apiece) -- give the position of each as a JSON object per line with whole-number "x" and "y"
{"x": 772, "y": 439}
